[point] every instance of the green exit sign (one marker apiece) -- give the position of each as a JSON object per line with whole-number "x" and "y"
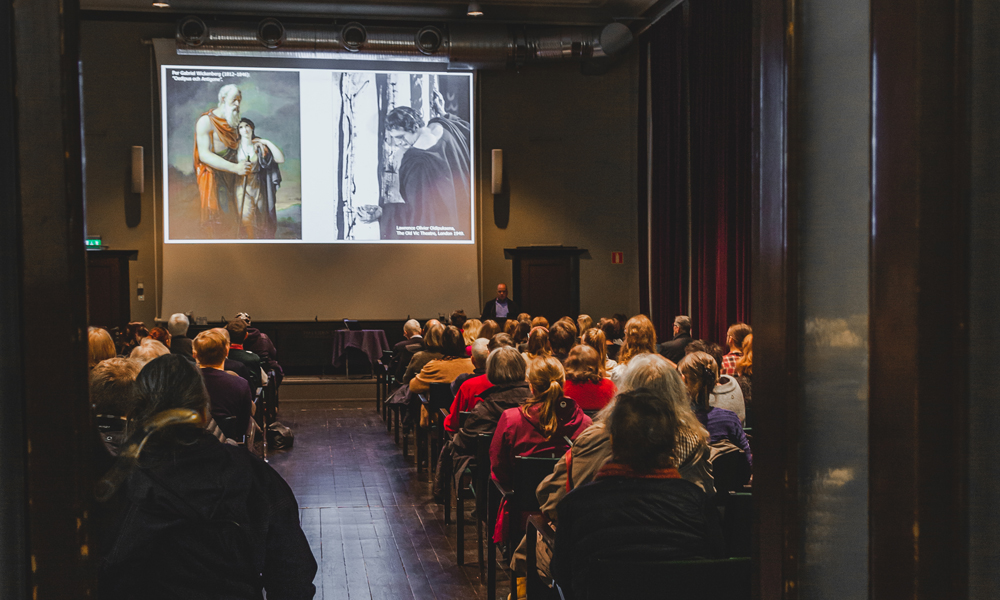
{"x": 93, "y": 242}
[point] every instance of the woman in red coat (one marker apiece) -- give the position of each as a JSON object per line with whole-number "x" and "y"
{"x": 584, "y": 382}
{"x": 541, "y": 426}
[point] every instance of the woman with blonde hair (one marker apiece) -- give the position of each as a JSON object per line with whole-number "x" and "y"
{"x": 471, "y": 330}
{"x": 640, "y": 338}
{"x": 541, "y": 426}
{"x": 102, "y": 347}
{"x": 489, "y": 329}
{"x": 538, "y": 344}
{"x": 596, "y": 339}
{"x": 583, "y": 323}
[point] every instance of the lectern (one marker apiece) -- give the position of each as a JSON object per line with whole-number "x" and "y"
{"x": 547, "y": 280}
{"x": 108, "y": 287}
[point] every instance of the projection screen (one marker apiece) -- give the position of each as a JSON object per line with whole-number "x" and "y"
{"x": 313, "y": 174}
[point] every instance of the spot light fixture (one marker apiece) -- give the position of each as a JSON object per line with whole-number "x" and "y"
{"x": 475, "y": 10}
{"x": 161, "y": 4}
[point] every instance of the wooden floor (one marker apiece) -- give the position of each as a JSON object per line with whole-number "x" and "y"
{"x": 372, "y": 526}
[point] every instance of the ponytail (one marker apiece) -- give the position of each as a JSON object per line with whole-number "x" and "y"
{"x": 546, "y": 376}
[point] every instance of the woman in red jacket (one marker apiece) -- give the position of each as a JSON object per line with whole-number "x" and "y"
{"x": 541, "y": 426}
{"x": 584, "y": 382}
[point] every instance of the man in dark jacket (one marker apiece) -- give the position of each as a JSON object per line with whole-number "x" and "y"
{"x": 500, "y": 308}
{"x": 180, "y": 343}
{"x": 237, "y": 329}
{"x": 638, "y": 508}
{"x": 674, "y": 349}
{"x": 261, "y": 345}
{"x": 401, "y": 353}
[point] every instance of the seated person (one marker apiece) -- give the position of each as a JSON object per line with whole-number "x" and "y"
{"x": 452, "y": 363}
{"x": 505, "y": 370}
{"x": 261, "y": 345}
{"x": 584, "y": 382}
{"x": 400, "y": 353}
{"x": 430, "y": 350}
{"x": 180, "y": 343}
{"x": 111, "y": 394}
{"x": 700, "y": 373}
{"x": 640, "y": 338}
{"x": 102, "y": 347}
{"x": 727, "y": 393}
{"x": 231, "y": 400}
{"x": 562, "y": 338}
{"x": 538, "y": 343}
{"x": 638, "y": 508}
{"x": 542, "y": 425}
{"x": 191, "y": 517}
{"x": 609, "y": 327}
{"x": 237, "y": 329}
{"x": 470, "y": 392}
{"x": 147, "y": 350}
{"x": 161, "y": 335}
{"x": 596, "y": 339}
{"x": 478, "y": 351}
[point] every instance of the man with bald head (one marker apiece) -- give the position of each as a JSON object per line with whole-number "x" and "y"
{"x": 500, "y": 308}
{"x": 401, "y": 353}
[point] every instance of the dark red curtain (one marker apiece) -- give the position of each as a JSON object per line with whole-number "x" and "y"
{"x": 700, "y": 117}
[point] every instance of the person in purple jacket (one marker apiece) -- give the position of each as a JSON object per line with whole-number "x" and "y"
{"x": 700, "y": 373}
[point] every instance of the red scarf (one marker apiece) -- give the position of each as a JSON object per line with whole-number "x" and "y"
{"x": 236, "y": 346}
{"x": 613, "y": 469}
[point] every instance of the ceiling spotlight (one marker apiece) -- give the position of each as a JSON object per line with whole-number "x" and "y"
{"x": 475, "y": 10}
{"x": 161, "y": 4}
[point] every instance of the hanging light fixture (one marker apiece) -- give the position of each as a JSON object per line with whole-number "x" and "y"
{"x": 475, "y": 10}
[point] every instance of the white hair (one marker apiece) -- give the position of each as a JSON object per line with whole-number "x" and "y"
{"x": 178, "y": 324}
{"x": 225, "y": 90}
{"x": 411, "y": 326}
{"x": 148, "y": 349}
{"x": 480, "y": 351}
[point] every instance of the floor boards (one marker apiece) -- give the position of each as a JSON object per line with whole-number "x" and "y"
{"x": 369, "y": 518}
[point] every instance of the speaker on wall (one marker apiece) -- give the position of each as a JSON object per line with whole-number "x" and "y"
{"x": 138, "y": 172}
{"x": 501, "y": 200}
{"x": 497, "y": 171}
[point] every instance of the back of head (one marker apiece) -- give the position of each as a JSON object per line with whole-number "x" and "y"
{"x": 522, "y": 331}
{"x": 147, "y": 350}
{"x": 547, "y": 378}
{"x": 458, "y": 318}
{"x": 505, "y": 365}
{"x": 643, "y": 431}
{"x": 471, "y": 331}
{"x": 683, "y": 322}
{"x": 524, "y": 317}
{"x": 161, "y": 335}
{"x": 101, "y": 346}
{"x": 595, "y": 338}
{"x": 582, "y": 365}
{"x": 540, "y": 321}
{"x": 510, "y": 326}
{"x": 237, "y": 329}
{"x": 452, "y": 342}
{"x": 434, "y": 335}
{"x": 112, "y": 386}
{"x": 501, "y": 339}
{"x": 569, "y": 322}
{"x": 739, "y": 332}
{"x": 411, "y": 328}
{"x": 700, "y": 373}
{"x": 210, "y": 347}
{"x": 480, "y": 350}
{"x": 583, "y": 323}
{"x": 489, "y": 329}
{"x": 744, "y": 366}
{"x": 656, "y": 374}
{"x": 640, "y": 338}
{"x": 170, "y": 381}
{"x": 538, "y": 342}
{"x": 178, "y": 324}
{"x": 562, "y": 337}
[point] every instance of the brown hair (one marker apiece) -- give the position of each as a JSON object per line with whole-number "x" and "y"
{"x": 744, "y": 366}
{"x": 538, "y": 342}
{"x": 739, "y": 332}
{"x": 237, "y": 329}
{"x": 700, "y": 373}
{"x": 583, "y": 323}
{"x": 582, "y": 365}
{"x": 640, "y": 338}
{"x": 112, "y": 386}
{"x": 540, "y": 321}
{"x": 610, "y": 329}
{"x": 101, "y": 345}
{"x": 432, "y": 337}
{"x": 521, "y": 333}
{"x": 594, "y": 338}
{"x": 489, "y": 329}
{"x": 210, "y": 347}
{"x": 452, "y": 342}
{"x": 547, "y": 377}
{"x": 510, "y": 326}
{"x": 643, "y": 431}
{"x": 161, "y": 335}
{"x": 562, "y": 337}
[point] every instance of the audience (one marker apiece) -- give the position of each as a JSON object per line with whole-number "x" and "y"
{"x": 700, "y": 373}
{"x": 726, "y": 393}
{"x": 261, "y": 345}
{"x": 521, "y": 334}
{"x": 469, "y": 385}
{"x": 161, "y": 335}
{"x": 147, "y": 350}
{"x": 458, "y": 319}
{"x": 237, "y": 329}
{"x": 544, "y": 424}
{"x": 583, "y": 323}
{"x": 674, "y": 349}
{"x": 538, "y": 344}
{"x": 471, "y": 331}
{"x": 177, "y": 326}
{"x": 584, "y": 383}
{"x": 231, "y": 399}
{"x": 734, "y": 339}
{"x": 640, "y": 338}
{"x": 190, "y": 517}
{"x": 430, "y": 349}
{"x": 510, "y": 327}
{"x": 134, "y": 333}
{"x": 489, "y": 329}
{"x": 540, "y": 321}
{"x": 609, "y": 327}
{"x": 595, "y": 338}
{"x": 401, "y": 352}
{"x": 102, "y": 347}
{"x": 112, "y": 396}
{"x": 478, "y": 352}
{"x": 638, "y": 507}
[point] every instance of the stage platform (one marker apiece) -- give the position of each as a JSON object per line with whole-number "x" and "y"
{"x": 303, "y": 388}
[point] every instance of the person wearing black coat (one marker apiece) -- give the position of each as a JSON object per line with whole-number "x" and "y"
{"x": 638, "y": 508}
{"x": 490, "y": 308}
{"x": 674, "y": 349}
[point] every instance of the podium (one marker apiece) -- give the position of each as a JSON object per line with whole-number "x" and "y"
{"x": 108, "y": 287}
{"x": 546, "y": 280}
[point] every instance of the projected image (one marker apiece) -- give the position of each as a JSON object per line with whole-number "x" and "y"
{"x": 232, "y": 155}
{"x": 404, "y": 160}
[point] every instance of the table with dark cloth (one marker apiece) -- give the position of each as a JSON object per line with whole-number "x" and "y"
{"x": 370, "y": 341}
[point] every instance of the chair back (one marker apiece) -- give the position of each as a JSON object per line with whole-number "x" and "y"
{"x": 481, "y": 479}
{"x": 688, "y": 579}
{"x": 439, "y": 397}
{"x": 529, "y": 471}
{"x": 463, "y": 416}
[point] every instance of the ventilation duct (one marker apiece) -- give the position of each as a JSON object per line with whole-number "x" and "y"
{"x": 460, "y": 46}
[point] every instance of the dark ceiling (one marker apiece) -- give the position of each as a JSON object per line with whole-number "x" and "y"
{"x": 631, "y": 12}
